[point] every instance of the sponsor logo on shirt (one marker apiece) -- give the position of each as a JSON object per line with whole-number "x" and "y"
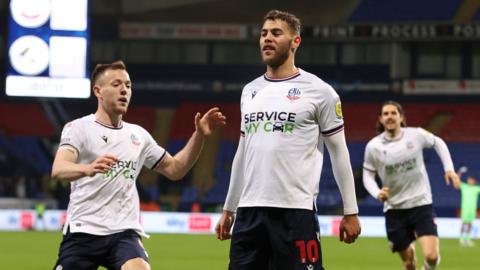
{"x": 294, "y": 94}
{"x": 105, "y": 138}
{"x": 283, "y": 122}
{"x": 401, "y": 167}
{"x": 126, "y": 168}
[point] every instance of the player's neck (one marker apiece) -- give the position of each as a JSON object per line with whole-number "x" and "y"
{"x": 393, "y": 134}
{"x": 285, "y": 70}
{"x": 105, "y": 118}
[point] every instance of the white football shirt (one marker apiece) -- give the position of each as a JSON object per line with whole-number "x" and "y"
{"x": 283, "y": 122}
{"x": 108, "y": 203}
{"x": 400, "y": 166}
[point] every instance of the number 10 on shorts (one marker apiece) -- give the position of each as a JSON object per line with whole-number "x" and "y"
{"x": 308, "y": 250}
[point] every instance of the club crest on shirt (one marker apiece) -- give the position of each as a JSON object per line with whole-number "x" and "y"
{"x": 409, "y": 145}
{"x": 135, "y": 140}
{"x": 294, "y": 94}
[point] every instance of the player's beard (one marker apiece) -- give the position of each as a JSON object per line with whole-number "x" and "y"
{"x": 390, "y": 128}
{"x": 281, "y": 55}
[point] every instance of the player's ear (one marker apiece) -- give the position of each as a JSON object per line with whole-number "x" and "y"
{"x": 380, "y": 119}
{"x": 404, "y": 120}
{"x": 296, "y": 41}
{"x": 96, "y": 90}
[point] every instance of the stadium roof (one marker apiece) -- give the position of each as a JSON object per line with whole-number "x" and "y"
{"x": 224, "y": 11}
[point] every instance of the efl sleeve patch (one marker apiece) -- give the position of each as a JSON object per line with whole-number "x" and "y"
{"x": 338, "y": 109}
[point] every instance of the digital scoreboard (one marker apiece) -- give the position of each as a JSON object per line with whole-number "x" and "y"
{"x": 47, "y": 47}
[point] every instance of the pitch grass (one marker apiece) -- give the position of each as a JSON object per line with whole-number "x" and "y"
{"x": 38, "y": 250}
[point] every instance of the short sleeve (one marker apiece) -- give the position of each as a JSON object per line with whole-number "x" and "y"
{"x": 154, "y": 153}
{"x": 426, "y": 137}
{"x": 72, "y": 136}
{"x": 329, "y": 112}
{"x": 368, "y": 159}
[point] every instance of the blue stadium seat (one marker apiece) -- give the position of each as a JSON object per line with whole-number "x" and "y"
{"x": 328, "y": 199}
{"x": 405, "y": 10}
{"x": 28, "y": 150}
{"x": 218, "y": 193}
{"x": 370, "y": 207}
{"x": 190, "y": 195}
{"x": 174, "y": 187}
{"x": 477, "y": 15}
{"x": 356, "y": 150}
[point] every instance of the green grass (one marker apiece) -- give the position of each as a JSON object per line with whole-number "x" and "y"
{"x": 38, "y": 250}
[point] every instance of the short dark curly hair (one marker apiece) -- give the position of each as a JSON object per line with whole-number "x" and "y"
{"x": 292, "y": 21}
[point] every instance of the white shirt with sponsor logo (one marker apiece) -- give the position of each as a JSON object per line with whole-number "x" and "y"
{"x": 108, "y": 203}
{"x": 400, "y": 166}
{"x": 283, "y": 124}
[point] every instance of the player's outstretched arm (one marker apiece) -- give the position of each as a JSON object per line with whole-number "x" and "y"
{"x": 210, "y": 121}
{"x": 65, "y": 167}
{"x": 442, "y": 151}
{"x": 177, "y": 166}
{"x": 462, "y": 170}
{"x": 452, "y": 177}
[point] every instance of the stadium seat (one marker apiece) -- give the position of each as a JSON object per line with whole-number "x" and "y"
{"x": 190, "y": 195}
{"x": 405, "y": 10}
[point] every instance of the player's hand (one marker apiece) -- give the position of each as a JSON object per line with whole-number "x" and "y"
{"x": 384, "y": 194}
{"x": 224, "y": 225}
{"x": 463, "y": 170}
{"x": 451, "y": 176}
{"x": 211, "y": 120}
{"x": 102, "y": 164}
{"x": 349, "y": 228}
